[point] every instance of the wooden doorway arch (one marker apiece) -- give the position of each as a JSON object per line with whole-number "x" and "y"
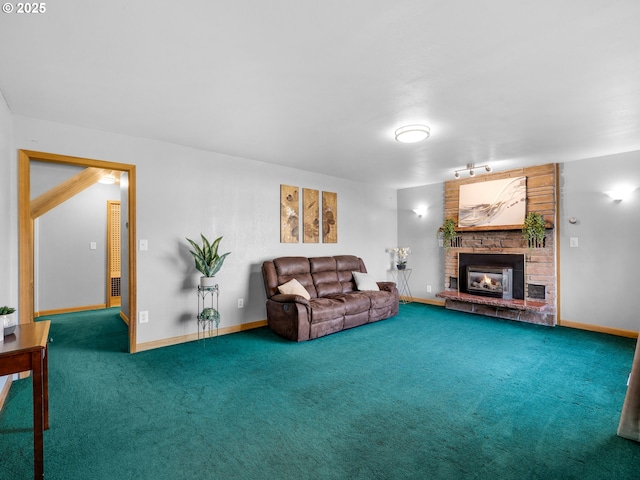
{"x": 28, "y": 210}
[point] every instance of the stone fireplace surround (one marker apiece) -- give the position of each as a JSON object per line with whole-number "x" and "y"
{"x": 540, "y": 262}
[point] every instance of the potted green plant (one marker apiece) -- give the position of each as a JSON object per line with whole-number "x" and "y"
{"x": 447, "y": 232}
{"x": 533, "y": 229}
{"x": 210, "y": 315}
{"x": 208, "y": 262}
{"x": 7, "y": 321}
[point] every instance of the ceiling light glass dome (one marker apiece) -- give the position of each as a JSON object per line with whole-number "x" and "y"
{"x": 412, "y": 133}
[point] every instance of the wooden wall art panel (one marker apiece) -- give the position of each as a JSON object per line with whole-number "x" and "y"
{"x": 310, "y": 215}
{"x": 329, "y": 217}
{"x": 289, "y": 214}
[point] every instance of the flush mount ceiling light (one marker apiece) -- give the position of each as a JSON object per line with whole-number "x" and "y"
{"x": 472, "y": 169}
{"x": 412, "y": 133}
{"x": 108, "y": 180}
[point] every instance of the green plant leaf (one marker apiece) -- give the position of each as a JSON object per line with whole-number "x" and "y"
{"x": 214, "y": 246}
{"x": 217, "y": 264}
{"x": 206, "y": 256}
{"x": 6, "y": 310}
{"x": 206, "y": 249}
{"x": 533, "y": 228}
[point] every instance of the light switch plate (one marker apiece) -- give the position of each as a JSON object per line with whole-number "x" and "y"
{"x": 144, "y": 245}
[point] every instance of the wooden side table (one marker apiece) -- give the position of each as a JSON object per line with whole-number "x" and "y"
{"x": 26, "y": 349}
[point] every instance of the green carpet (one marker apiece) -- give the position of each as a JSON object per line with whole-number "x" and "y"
{"x": 430, "y": 394}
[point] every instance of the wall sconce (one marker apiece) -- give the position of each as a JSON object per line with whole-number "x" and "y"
{"x": 412, "y": 133}
{"x": 420, "y": 211}
{"x": 471, "y": 167}
{"x": 620, "y": 193}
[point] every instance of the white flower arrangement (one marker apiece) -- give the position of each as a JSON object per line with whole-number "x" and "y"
{"x": 402, "y": 253}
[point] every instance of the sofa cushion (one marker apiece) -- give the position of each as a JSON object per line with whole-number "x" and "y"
{"x": 380, "y": 299}
{"x": 365, "y": 282}
{"x": 325, "y": 277}
{"x": 346, "y": 264}
{"x": 326, "y": 289}
{"x": 322, "y": 264}
{"x": 293, "y": 287}
{"x": 325, "y": 309}
{"x": 355, "y": 302}
{"x": 295, "y": 267}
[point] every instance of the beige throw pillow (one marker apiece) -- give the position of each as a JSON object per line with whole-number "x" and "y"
{"x": 365, "y": 282}
{"x": 293, "y": 287}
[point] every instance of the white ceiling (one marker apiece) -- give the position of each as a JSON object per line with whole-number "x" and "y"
{"x": 322, "y": 84}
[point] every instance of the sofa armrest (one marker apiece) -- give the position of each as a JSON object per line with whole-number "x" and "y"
{"x": 387, "y": 286}
{"x": 289, "y": 318}
{"x": 286, "y": 298}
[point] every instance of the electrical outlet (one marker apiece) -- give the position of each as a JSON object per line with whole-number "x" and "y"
{"x": 143, "y": 317}
{"x": 428, "y": 288}
{"x": 440, "y": 242}
{"x": 92, "y": 245}
{"x": 241, "y": 303}
{"x": 573, "y": 242}
{"x": 144, "y": 245}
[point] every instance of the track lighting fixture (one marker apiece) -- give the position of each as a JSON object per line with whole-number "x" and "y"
{"x": 471, "y": 168}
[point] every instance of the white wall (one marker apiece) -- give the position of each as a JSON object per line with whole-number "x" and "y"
{"x": 419, "y": 233}
{"x": 599, "y": 278}
{"x": 182, "y": 192}
{"x": 8, "y": 214}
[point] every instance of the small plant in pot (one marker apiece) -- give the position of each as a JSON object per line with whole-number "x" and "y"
{"x": 533, "y": 229}
{"x": 447, "y": 232}
{"x": 210, "y": 315}
{"x": 7, "y": 321}
{"x": 208, "y": 262}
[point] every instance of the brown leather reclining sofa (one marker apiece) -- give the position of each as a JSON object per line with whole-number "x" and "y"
{"x": 334, "y": 303}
